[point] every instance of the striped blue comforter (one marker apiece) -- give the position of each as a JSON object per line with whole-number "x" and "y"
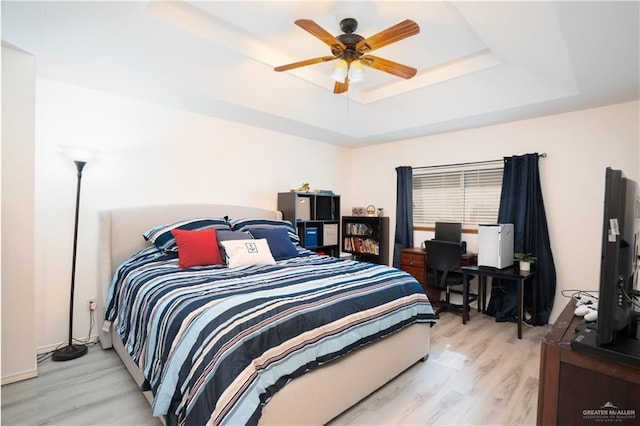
{"x": 216, "y": 343}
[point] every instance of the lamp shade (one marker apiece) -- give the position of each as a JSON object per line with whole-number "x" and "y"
{"x": 340, "y": 71}
{"x": 79, "y": 153}
{"x": 356, "y": 71}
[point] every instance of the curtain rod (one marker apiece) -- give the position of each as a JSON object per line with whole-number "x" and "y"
{"x": 543, "y": 155}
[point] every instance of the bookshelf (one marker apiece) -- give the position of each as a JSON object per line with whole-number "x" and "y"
{"x": 317, "y": 218}
{"x": 366, "y": 238}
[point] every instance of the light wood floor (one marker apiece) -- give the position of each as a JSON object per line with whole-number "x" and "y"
{"x": 477, "y": 374}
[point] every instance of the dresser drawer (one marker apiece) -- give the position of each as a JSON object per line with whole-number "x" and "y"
{"x": 412, "y": 260}
{"x": 418, "y": 273}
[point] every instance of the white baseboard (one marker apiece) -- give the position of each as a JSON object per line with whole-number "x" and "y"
{"x": 16, "y": 377}
{"x": 29, "y": 374}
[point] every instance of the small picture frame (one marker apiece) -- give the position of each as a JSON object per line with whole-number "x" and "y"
{"x": 358, "y": 211}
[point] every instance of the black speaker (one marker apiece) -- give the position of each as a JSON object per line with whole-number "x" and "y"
{"x": 463, "y": 247}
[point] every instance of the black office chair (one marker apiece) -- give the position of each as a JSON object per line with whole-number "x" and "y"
{"x": 443, "y": 260}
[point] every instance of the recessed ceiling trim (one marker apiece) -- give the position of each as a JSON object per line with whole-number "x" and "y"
{"x": 479, "y": 62}
{"x": 472, "y": 63}
{"x": 196, "y": 21}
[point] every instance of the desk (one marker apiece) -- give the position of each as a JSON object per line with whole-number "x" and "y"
{"x": 414, "y": 261}
{"x": 510, "y": 273}
{"x": 572, "y": 383}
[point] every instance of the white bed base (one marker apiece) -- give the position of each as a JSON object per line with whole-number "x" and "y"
{"x": 314, "y": 398}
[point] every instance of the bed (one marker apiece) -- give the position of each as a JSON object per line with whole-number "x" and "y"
{"x": 314, "y": 392}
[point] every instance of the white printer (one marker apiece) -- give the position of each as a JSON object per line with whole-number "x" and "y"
{"x": 495, "y": 245}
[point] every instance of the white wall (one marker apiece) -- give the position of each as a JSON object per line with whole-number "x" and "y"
{"x": 579, "y": 146}
{"x": 18, "y": 118}
{"x": 150, "y": 154}
{"x": 154, "y": 154}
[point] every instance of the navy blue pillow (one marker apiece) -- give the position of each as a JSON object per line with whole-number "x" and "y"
{"x": 279, "y": 242}
{"x": 251, "y": 224}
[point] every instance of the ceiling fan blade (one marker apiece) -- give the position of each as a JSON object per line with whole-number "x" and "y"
{"x": 337, "y": 47}
{"x": 386, "y": 65}
{"x": 400, "y": 31}
{"x": 341, "y": 87}
{"x": 304, "y": 63}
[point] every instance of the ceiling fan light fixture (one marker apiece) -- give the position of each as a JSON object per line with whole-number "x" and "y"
{"x": 356, "y": 71}
{"x": 348, "y": 48}
{"x": 340, "y": 71}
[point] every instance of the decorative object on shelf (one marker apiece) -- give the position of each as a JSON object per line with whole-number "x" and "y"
{"x": 80, "y": 158}
{"x": 371, "y": 210}
{"x": 525, "y": 260}
{"x": 380, "y": 212}
{"x": 358, "y": 211}
{"x": 304, "y": 188}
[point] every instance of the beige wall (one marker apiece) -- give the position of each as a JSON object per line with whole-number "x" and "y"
{"x": 579, "y": 146}
{"x": 154, "y": 154}
{"x": 149, "y": 154}
{"x": 18, "y": 316}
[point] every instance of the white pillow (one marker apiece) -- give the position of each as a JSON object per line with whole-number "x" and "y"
{"x": 248, "y": 252}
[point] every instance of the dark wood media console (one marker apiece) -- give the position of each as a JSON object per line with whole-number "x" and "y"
{"x": 578, "y": 388}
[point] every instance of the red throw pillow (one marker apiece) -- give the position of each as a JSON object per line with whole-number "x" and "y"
{"x": 197, "y": 248}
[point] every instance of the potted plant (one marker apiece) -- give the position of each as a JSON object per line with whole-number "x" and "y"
{"x": 525, "y": 260}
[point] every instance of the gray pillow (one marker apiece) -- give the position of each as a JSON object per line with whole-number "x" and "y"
{"x": 224, "y": 235}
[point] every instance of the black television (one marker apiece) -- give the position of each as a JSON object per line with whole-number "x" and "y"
{"x": 615, "y": 333}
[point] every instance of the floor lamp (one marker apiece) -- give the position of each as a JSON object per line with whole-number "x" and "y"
{"x": 73, "y": 351}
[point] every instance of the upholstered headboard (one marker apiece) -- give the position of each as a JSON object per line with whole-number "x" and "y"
{"x": 121, "y": 235}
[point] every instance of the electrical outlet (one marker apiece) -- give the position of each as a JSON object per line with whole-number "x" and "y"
{"x": 91, "y": 305}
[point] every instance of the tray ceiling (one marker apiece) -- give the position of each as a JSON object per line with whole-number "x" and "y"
{"x": 478, "y": 63}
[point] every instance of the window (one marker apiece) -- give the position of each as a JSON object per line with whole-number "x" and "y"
{"x": 466, "y": 193}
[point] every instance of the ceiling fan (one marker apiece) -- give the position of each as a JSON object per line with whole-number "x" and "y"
{"x": 351, "y": 50}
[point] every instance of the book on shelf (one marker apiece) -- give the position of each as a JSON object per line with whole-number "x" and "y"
{"x": 361, "y": 245}
{"x": 358, "y": 229}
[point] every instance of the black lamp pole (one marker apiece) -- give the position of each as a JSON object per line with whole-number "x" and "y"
{"x": 72, "y": 351}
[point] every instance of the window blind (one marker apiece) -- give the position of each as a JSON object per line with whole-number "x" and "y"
{"x": 466, "y": 193}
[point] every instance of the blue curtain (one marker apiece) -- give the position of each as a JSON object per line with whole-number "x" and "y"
{"x": 521, "y": 204}
{"x": 404, "y": 213}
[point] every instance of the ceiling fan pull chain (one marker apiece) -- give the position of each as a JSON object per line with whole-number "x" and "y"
{"x": 348, "y": 102}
